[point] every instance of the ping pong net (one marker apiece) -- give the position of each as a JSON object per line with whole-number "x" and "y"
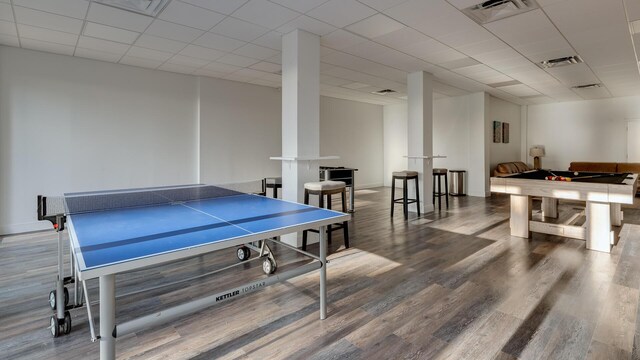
{"x": 55, "y": 208}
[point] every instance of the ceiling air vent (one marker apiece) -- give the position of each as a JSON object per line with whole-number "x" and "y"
{"x": 144, "y": 7}
{"x": 588, "y": 86}
{"x": 492, "y": 10}
{"x": 384, "y": 92}
{"x": 567, "y": 60}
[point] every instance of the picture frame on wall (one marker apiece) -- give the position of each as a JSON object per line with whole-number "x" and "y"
{"x": 497, "y": 132}
{"x": 505, "y": 132}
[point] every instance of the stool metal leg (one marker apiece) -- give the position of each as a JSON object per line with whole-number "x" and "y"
{"x": 405, "y": 194}
{"x": 439, "y": 193}
{"x": 446, "y": 189}
{"x": 345, "y": 225}
{"x": 418, "y": 195}
{"x": 433, "y": 191}
{"x": 393, "y": 194}
{"x": 328, "y": 226}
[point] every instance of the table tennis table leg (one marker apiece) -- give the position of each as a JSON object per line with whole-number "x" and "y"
{"x": 107, "y": 317}
{"x": 60, "y": 303}
{"x": 323, "y": 274}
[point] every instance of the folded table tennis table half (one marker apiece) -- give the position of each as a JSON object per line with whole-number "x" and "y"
{"x": 113, "y": 232}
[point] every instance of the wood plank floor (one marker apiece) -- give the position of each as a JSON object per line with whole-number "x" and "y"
{"x": 450, "y": 285}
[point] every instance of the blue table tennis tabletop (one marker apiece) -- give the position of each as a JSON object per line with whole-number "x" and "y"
{"x": 133, "y": 235}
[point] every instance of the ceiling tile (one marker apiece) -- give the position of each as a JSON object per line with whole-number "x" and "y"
{"x": 267, "y": 67}
{"x": 221, "y": 68}
{"x": 47, "y": 46}
{"x": 341, "y": 39}
{"x": 188, "y": 61}
{"x": 8, "y": 28}
{"x": 341, "y": 13}
{"x": 102, "y": 45}
{"x": 307, "y": 24}
{"x": 221, "y": 6}
{"x": 189, "y": 15}
{"x": 519, "y": 90}
{"x": 46, "y": 20}
{"x": 237, "y": 60}
{"x": 108, "y": 15}
{"x": 633, "y": 9}
{"x": 73, "y": 8}
{"x": 110, "y": 33}
{"x": 6, "y": 13}
{"x": 375, "y": 26}
{"x": 381, "y": 5}
{"x": 9, "y": 40}
{"x": 265, "y": 13}
{"x": 173, "y": 31}
{"x": 301, "y": 6}
{"x": 218, "y": 42}
{"x": 149, "y": 53}
{"x": 331, "y": 80}
{"x": 455, "y": 64}
{"x": 97, "y": 55}
{"x": 250, "y": 73}
{"x": 42, "y": 34}
{"x": 182, "y": 69}
{"x": 272, "y": 40}
{"x": 255, "y": 51}
{"x": 208, "y": 73}
{"x": 201, "y": 52}
{"x": 161, "y": 44}
{"x": 136, "y": 61}
{"x": 239, "y": 29}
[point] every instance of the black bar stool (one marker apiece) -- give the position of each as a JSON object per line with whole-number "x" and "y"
{"x": 437, "y": 175}
{"x": 273, "y": 183}
{"x": 404, "y": 176}
{"x": 322, "y": 189}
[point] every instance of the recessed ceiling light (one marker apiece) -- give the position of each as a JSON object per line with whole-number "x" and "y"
{"x": 144, "y": 7}
{"x": 567, "y": 60}
{"x": 587, "y": 86}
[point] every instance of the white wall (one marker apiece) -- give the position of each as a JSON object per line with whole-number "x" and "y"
{"x": 394, "y": 140}
{"x": 461, "y": 132}
{"x": 70, "y": 124}
{"x": 504, "y": 111}
{"x": 591, "y": 130}
{"x": 353, "y": 131}
{"x": 240, "y": 128}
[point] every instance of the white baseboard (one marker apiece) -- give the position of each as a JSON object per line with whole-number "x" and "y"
{"x": 10, "y": 229}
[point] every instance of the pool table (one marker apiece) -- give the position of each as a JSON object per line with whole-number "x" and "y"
{"x": 602, "y": 192}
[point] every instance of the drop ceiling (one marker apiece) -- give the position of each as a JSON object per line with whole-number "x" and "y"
{"x": 367, "y": 45}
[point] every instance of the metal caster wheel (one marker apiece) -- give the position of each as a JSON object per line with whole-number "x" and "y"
{"x": 269, "y": 266}
{"x": 66, "y": 325}
{"x": 53, "y": 326}
{"x": 243, "y": 253}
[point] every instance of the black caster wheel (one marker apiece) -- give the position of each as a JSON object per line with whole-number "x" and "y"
{"x": 55, "y": 329}
{"x": 66, "y": 325}
{"x": 269, "y": 266}
{"x": 53, "y": 298}
{"x": 243, "y": 253}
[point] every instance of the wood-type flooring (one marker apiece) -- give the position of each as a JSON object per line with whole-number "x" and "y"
{"x": 449, "y": 285}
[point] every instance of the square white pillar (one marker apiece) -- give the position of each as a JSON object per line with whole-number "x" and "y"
{"x": 300, "y": 114}
{"x": 420, "y": 134}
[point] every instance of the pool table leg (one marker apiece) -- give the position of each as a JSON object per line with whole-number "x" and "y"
{"x": 550, "y": 207}
{"x": 599, "y": 234}
{"x": 520, "y": 216}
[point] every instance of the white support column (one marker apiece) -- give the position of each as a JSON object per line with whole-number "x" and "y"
{"x": 420, "y": 134}
{"x": 300, "y": 114}
{"x": 480, "y": 130}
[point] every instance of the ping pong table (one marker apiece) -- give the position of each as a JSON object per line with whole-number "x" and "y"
{"x": 112, "y": 232}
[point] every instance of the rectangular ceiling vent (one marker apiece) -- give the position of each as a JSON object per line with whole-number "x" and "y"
{"x": 144, "y": 7}
{"x": 588, "y": 86}
{"x": 563, "y": 61}
{"x": 384, "y": 92}
{"x": 492, "y": 10}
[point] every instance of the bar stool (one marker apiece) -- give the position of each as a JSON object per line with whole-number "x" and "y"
{"x": 322, "y": 189}
{"x": 404, "y": 176}
{"x": 437, "y": 175}
{"x": 274, "y": 183}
